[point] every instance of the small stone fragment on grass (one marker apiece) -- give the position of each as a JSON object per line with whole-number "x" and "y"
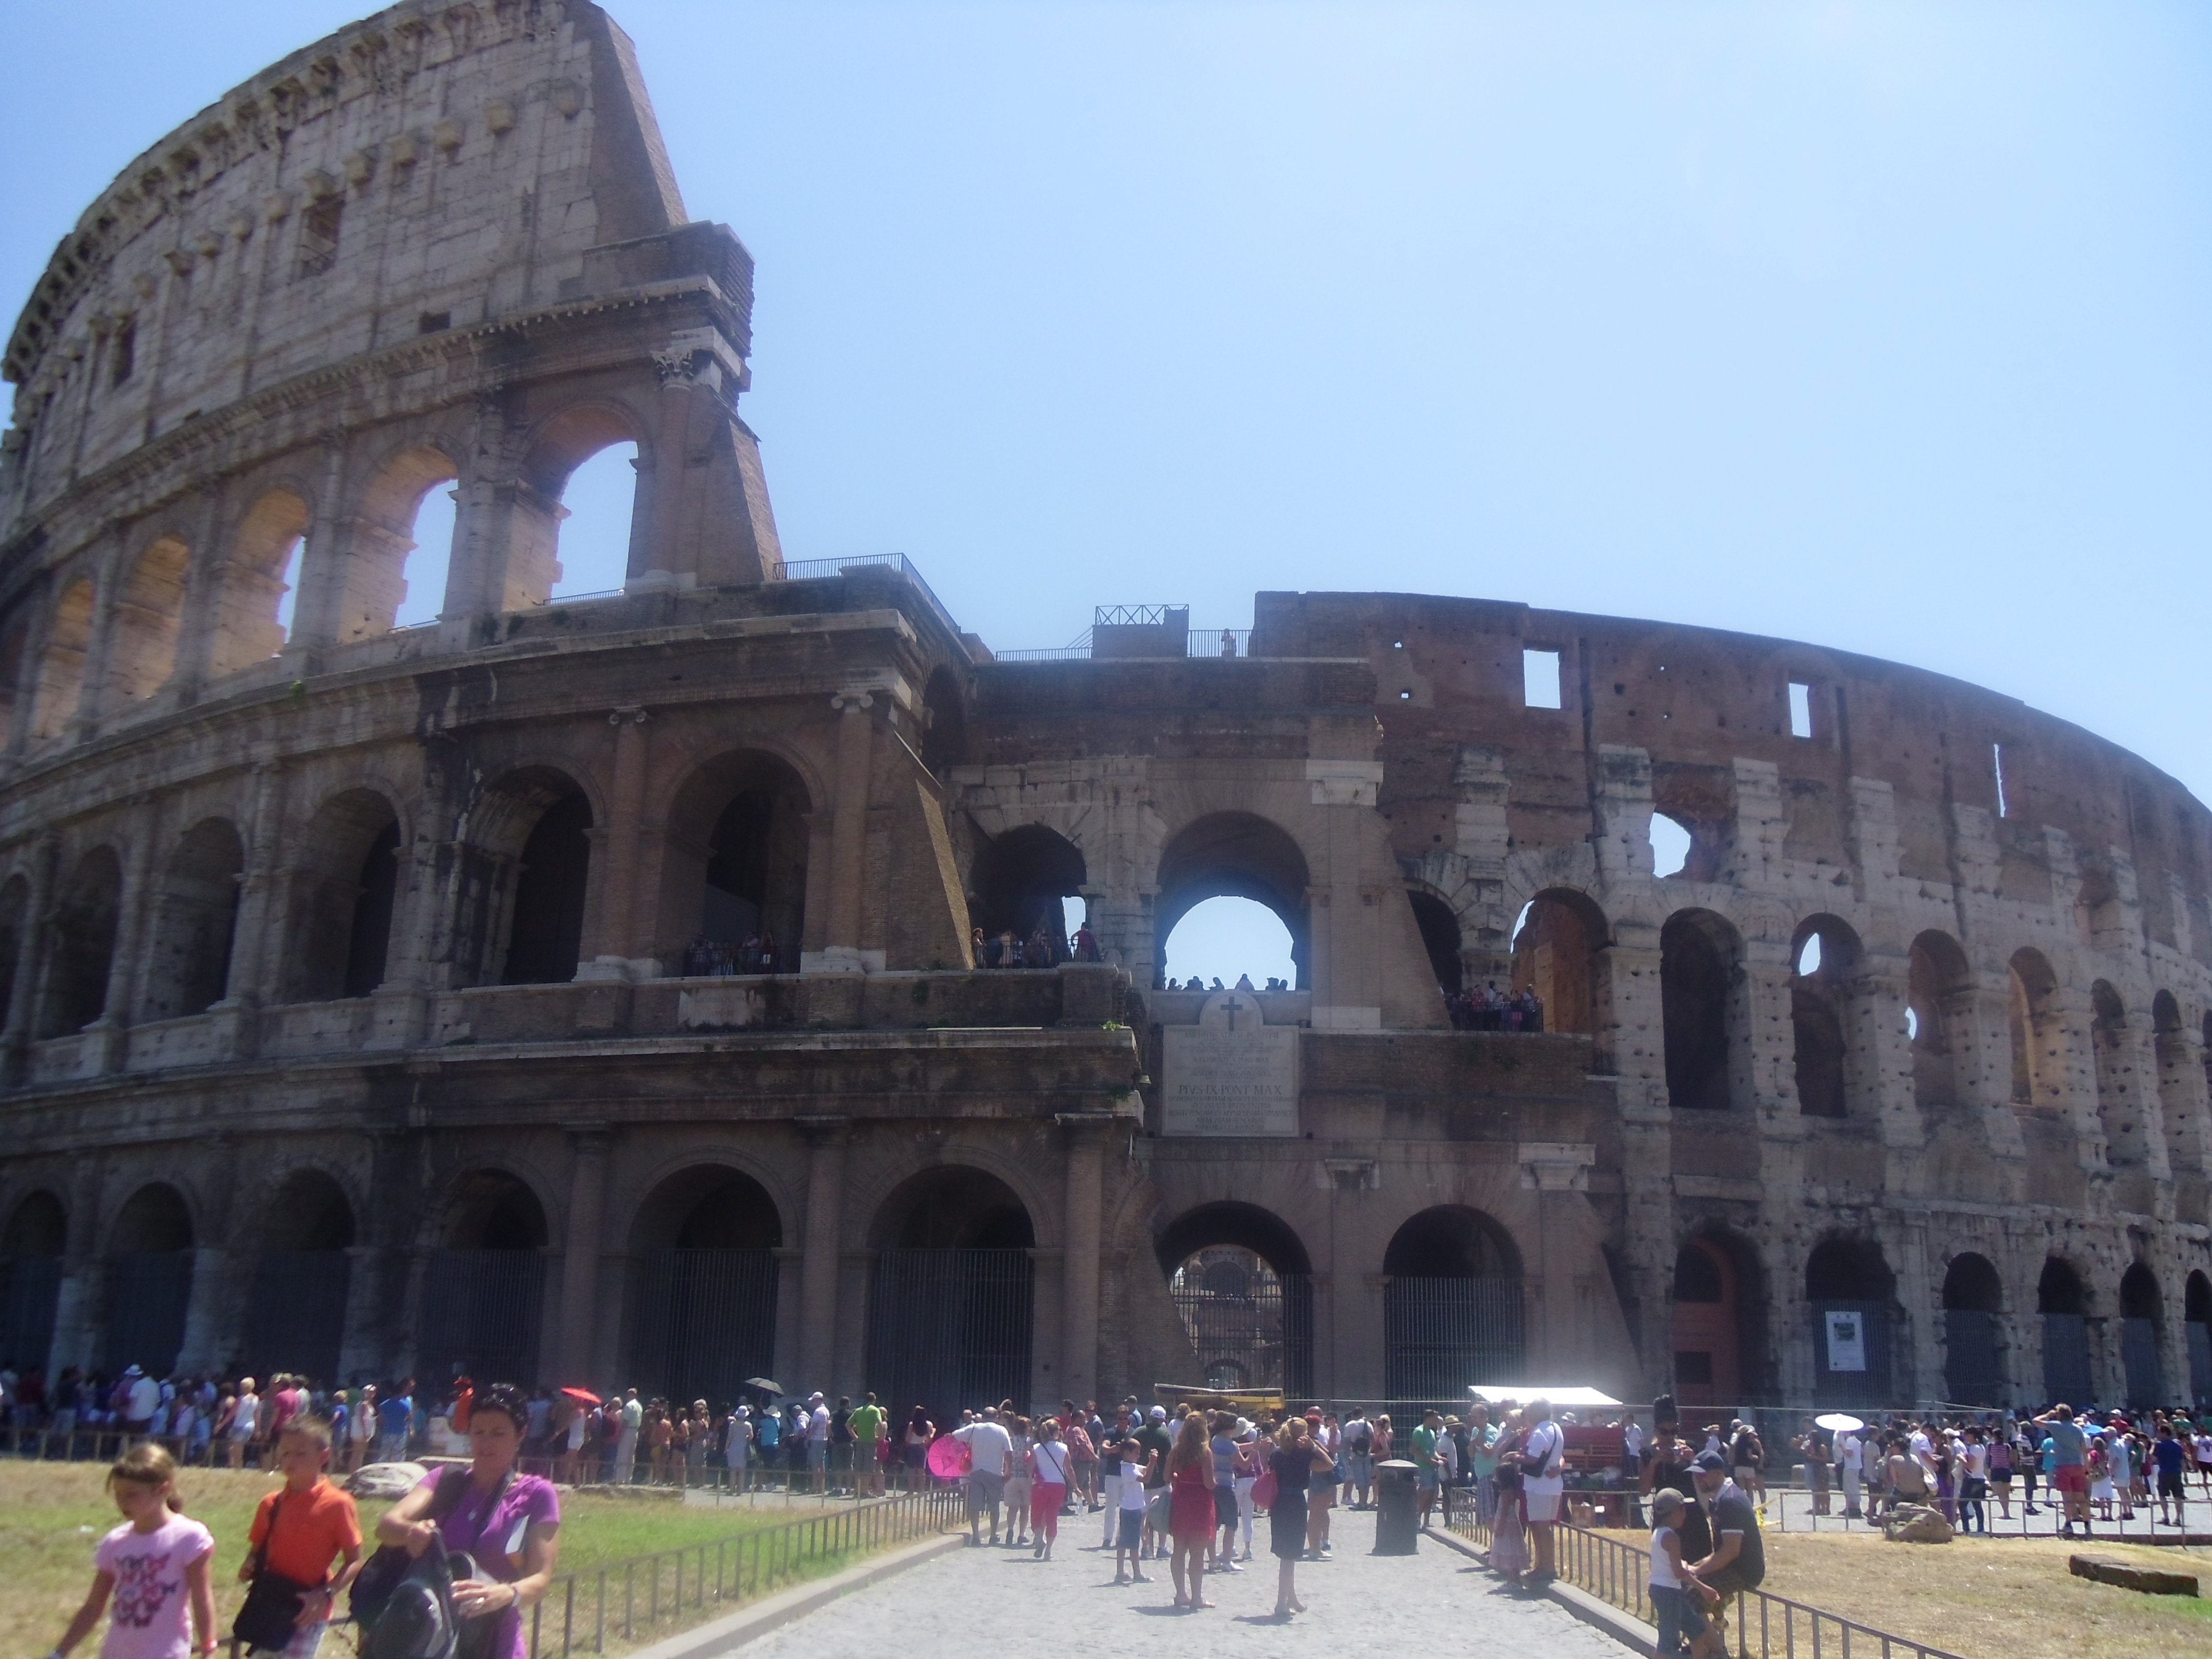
{"x": 2151, "y": 1581}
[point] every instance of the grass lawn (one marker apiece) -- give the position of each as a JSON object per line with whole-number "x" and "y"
{"x": 52, "y": 1514}
{"x": 2004, "y": 1599}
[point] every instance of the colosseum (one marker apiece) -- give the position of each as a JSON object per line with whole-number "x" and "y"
{"x": 587, "y": 989}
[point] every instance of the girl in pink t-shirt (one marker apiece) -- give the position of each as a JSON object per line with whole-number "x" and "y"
{"x": 155, "y": 1566}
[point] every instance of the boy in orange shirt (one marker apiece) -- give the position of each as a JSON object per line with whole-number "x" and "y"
{"x": 306, "y": 1525}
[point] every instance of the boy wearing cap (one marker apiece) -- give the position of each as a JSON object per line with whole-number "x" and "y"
{"x": 1678, "y": 1595}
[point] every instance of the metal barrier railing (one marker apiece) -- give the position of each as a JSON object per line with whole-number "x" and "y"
{"x": 1766, "y": 1625}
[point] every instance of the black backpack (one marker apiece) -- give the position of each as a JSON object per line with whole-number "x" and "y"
{"x": 404, "y": 1605}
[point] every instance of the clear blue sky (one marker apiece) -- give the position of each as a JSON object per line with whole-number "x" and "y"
{"x": 1882, "y": 326}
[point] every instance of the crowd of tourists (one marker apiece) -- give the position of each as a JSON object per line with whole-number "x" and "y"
{"x": 1045, "y": 947}
{"x": 209, "y": 1420}
{"x": 1487, "y": 1008}
{"x": 755, "y": 953}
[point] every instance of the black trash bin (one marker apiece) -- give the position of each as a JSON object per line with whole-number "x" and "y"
{"x": 1397, "y": 1514}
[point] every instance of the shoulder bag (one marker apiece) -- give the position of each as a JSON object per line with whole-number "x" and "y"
{"x": 270, "y": 1618}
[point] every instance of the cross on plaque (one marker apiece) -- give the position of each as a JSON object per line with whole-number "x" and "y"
{"x": 1232, "y": 1008}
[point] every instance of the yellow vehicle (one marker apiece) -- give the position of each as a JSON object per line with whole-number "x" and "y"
{"x": 1245, "y": 1402}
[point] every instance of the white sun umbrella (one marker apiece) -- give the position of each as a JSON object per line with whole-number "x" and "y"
{"x": 1839, "y": 1422}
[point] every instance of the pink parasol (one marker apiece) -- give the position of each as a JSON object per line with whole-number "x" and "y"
{"x": 581, "y": 1397}
{"x": 948, "y": 1457}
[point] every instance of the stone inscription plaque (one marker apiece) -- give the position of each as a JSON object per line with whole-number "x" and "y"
{"x": 1230, "y": 1074}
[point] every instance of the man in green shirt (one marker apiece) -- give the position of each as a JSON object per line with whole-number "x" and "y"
{"x": 1426, "y": 1475}
{"x": 867, "y": 1426}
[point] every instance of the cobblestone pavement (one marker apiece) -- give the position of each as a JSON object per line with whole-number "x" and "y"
{"x": 976, "y": 1601}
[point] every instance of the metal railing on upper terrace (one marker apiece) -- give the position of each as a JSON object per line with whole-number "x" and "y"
{"x": 1758, "y": 1623}
{"x": 800, "y": 570}
{"x": 1198, "y": 642}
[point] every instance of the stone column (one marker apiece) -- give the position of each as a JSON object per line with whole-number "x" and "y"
{"x": 133, "y": 925}
{"x": 322, "y": 565}
{"x": 580, "y": 1247}
{"x": 618, "y": 944}
{"x": 419, "y": 912}
{"x": 848, "y": 827}
{"x": 30, "y": 952}
{"x": 1558, "y": 1172}
{"x": 817, "y": 1267}
{"x": 1084, "y": 1217}
{"x": 252, "y": 950}
{"x": 78, "y": 1305}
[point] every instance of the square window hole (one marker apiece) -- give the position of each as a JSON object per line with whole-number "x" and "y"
{"x": 1539, "y": 679}
{"x": 1801, "y": 709}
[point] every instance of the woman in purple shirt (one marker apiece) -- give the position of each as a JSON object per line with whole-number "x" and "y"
{"x": 505, "y": 1520}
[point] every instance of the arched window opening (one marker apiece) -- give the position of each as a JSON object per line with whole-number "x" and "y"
{"x": 1220, "y": 941}
{"x": 1234, "y": 856}
{"x": 2118, "y": 1102}
{"x": 1851, "y": 1292}
{"x": 1557, "y": 943}
{"x": 1672, "y": 844}
{"x": 2197, "y": 1324}
{"x": 573, "y": 519}
{"x": 2063, "y": 1303}
{"x": 704, "y": 1285}
{"x": 545, "y": 941}
{"x": 150, "y": 1281}
{"x": 254, "y": 603}
{"x": 950, "y": 1304}
{"x": 1452, "y": 1309}
{"x": 14, "y": 918}
{"x": 944, "y": 723}
{"x": 2178, "y": 1094}
{"x": 752, "y": 912}
{"x": 1825, "y": 997}
{"x": 1440, "y": 939}
{"x": 403, "y": 546}
{"x": 31, "y": 1280}
{"x": 342, "y": 897}
{"x": 2038, "y": 1040}
{"x": 1711, "y": 1311}
{"x": 61, "y": 671}
{"x": 81, "y": 949}
{"x": 1020, "y": 882}
{"x": 295, "y": 1312}
{"x": 1973, "y": 1300}
{"x": 195, "y": 918}
{"x": 1939, "y": 986}
{"x": 148, "y": 617}
{"x": 1698, "y": 993}
{"x": 2141, "y": 1320}
{"x": 483, "y": 1319}
{"x": 1241, "y": 1280}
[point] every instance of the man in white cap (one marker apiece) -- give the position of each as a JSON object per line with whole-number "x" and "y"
{"x": 144, "y": 1400}
{"x": 990, "y": 1450}
{"x": 817, "y": 1440}
{"x": 737, "y": 1449}
{"x": 1155, "y": 1439}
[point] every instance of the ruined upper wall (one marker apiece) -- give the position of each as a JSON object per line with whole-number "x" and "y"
{"x": 435, "y": 166}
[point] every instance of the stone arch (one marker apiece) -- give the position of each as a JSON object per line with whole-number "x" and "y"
{"x": 2196, "y": 1327}
{"x": 1827, "y": 1004}
{"x": 1017, "y": 882}
{"x": 302, "y": 1273}
{"x": 149, "y": 1257}
{"x": 1938, "y": 993}
{"x": 80, "y": 944}
{"x": 951, "y": 1299}
{"x": 2038, "y": 1030}
{"x": 1453, "y": 1308}
{"x": 1559, "y": 952}
{"x": 1235, "y": 855}
{"x": 31, "y": 1250}
{"x": 376, "y": 581}
{"x": 251, "y": 589}
{"x": 195, "y": 921}
{"x": 945, "y": 721}
{"x": 1973, "y": 1308}
{"x": 1241, "y": 1280}
{"x": 2061, "y": 1301}
{"x": 1719, "y": 1319}
{"x": 61, "y": 668}
{"x": 344, "y": 887}
{"x": 149, "y": 615}
{"x": 526, "y": 879}
{"x": 703, "y": 1308}
{"x": 2119, "y": 1093}
{"x": 2181, "y": 1091}
{"x": 484, "y": 1317}
{"x": 1703, "y": 991}
{"x": 2142, "y": 1333}
{"x": 561, "y": 444}
{"x": 738, "y": 851}
{"x": 1851, "y": 1292}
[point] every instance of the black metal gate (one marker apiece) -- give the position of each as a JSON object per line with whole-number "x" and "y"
{"x": 480, "y": 1315}
{"x": 1442, "y": 1335}
{"x": 2066, "y": 1360}
{"x": 948, "y": 1328}
{"x": 1258, "y": 1338}
{"x": 2139, "y": 1361}
{"x": 1859, "y": 1330}
{"x": 30, "y": 1286}
{"x": 1970, "y": 1363}
{"x": 148, "y": 1292}
{"x": 704, "y": 1321}
{"x": 296, "y": 1319}
{"x": 2200, "y": 1361}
